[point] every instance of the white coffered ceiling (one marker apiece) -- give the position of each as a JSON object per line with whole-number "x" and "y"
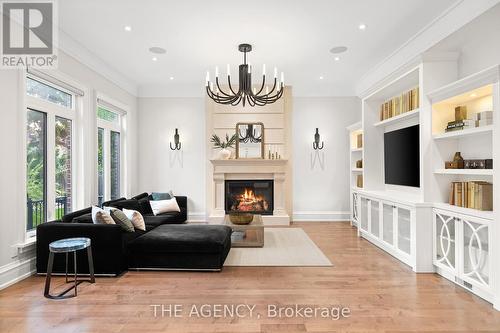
{"x": 295, "y": 35}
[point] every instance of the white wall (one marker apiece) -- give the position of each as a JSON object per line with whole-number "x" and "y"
{"x": 13, "y": 265}
{"x": 321, "y": 178}
{"x": 161, "y": 169}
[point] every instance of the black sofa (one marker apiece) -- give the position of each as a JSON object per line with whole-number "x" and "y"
{"x": 167, "y": 243}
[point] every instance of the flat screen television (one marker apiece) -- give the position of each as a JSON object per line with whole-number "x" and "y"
{"x": 402, "y": 157}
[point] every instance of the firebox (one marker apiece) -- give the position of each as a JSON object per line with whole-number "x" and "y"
{"x": 250, "y": 196}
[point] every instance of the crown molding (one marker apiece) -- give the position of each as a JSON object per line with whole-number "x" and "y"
{"x": 74, "y": 49}
{"x": 451, "y": 20}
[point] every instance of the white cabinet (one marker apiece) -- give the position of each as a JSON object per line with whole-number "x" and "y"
{"x": 392, "y": 226}
{"x": 461, "y": 250}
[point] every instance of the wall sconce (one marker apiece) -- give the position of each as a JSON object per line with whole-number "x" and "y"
{"x": 177, "y": 144}
{"x": 316, "y": 144}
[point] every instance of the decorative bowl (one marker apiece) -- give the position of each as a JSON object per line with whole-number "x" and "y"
{"x": 241, "y": 219}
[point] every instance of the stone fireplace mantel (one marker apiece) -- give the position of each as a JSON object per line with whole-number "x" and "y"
{"x": 244, "y": 169}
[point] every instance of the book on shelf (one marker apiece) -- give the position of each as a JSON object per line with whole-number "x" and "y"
{"x": 472, "y": 194}
{"x": 407, "y": 101}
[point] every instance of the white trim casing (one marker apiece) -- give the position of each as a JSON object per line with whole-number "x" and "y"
{"x": 321, "y": 216}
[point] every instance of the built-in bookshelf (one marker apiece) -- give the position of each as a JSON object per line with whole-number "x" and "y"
{"x": 355, "y": 133}
{"x": 415, "y": 224}
{"x": 465, "y": 119}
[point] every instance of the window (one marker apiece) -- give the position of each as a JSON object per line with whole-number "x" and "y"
{"x": 49, "y": 152}
{"x": 44, "y": 91}
{"x": 36, "y": 175}
{"x": 109, "y": 146}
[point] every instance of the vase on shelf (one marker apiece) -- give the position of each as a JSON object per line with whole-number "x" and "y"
{"x": 224, "y": 154}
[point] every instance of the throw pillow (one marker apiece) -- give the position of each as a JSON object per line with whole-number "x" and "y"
{"x": 122, "y": 220}
{"x": 162, "y": 196}
{"x": 94, "y": 212}
{"x": 145, "y": 206}
{"x": 108, "y": 209}
{"x": 136, "y": 218}
{"x": 102, "y": 217}
{"x": 164, "y": 206}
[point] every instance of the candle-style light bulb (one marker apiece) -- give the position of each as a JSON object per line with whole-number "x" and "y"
{"x": 228, "y": 70}
{"x": 282, "y": 78}
{"x": 264, "y": 70}
{"x": 216, "y": 71}
{"x": 275, "y": 72}
{"x": 212, "y": 86}
{"x": 207, "y": 79}
{"x": 249, "y": 68}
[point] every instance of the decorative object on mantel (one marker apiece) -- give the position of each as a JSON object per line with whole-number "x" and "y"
{"x": 246, "y": 93}
{"x": 177, "y": 144}
{"x": 274, "y": 153}
{"x": 457, "y": 163}
{"x": 250, "y": 142}
{"x": 224, "y": 153}
{"x": 316, "y": 144}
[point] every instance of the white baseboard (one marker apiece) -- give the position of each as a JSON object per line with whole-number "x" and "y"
{"x": 321, "y": 216}
{"x": 16, "y": 271}
{"x": 197, "y": 217}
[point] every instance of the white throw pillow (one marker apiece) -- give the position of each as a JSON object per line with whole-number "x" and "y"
{"x": 108, "y": 209}
{"x": 103, "y": 218}
{"x": 164, "y": 206}
{"x": 136, "y": 218}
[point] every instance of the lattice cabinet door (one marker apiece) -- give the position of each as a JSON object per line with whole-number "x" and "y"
{"x": 445, "y": 241}
{"x": 476, "y": 240}
{"x": 355, "y": 208}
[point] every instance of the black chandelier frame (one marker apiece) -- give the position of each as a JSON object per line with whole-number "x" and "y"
{"x": 245, "y": 94}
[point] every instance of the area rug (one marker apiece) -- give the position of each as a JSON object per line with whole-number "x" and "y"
{"x": 282, "y": 247}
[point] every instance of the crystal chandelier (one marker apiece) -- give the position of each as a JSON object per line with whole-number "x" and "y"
{"x": 259, "y": 96}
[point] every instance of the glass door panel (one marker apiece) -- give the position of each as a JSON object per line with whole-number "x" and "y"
{"x": 63, "y": 167}
{"x": 404, "y": 230}
{"x": 375, "y": 218}
{"x": 388, "y": 223}
{"x": 364, "y": 214}
{"x": 476, "y": 253}
{"x": 445, "y": 241}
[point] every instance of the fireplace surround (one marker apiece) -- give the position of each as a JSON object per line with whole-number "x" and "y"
{"x": 254, "y": 196}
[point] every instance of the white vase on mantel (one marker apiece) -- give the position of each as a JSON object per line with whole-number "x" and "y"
{"x": 224, "y": 154}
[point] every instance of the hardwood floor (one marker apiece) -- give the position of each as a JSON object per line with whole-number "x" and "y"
{"x": 382, "y": 294}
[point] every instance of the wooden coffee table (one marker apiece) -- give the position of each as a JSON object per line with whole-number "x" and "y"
{"x": 249, "y": 235}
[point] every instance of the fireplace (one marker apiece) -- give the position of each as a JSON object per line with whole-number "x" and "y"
{"x": 250, "y": 196}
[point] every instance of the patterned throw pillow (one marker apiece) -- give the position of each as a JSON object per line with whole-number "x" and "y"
{"x": 136, "y": 218}
{"x": 122, "y": 220}
{"x": 102, "y": 217}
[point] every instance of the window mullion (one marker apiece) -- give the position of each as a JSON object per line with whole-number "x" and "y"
{"x": 107, "y": 164}
{"x": 51, "y": 166}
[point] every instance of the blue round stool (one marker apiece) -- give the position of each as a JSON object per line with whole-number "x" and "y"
{"x": 66, "y": 246}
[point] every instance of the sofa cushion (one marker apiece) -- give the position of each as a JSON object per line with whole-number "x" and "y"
{"x": 140, "y": 196}
{"x": 127, "y": 204}
{"x": 111, "y": 202}
{"x": 164, "y": 206}
{"x": 122, "y": 220}
{"x": 70, "y": 217}
{"x": 85, "y": 218}
{"x": 162, "y": 195}
{"x": 183, "y": 239}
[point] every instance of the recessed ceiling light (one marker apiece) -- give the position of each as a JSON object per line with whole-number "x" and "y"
{"x": 321, "y": 78}
{"x": 127, "y": 28}
{"x": 338, "y": 49}
{"x": 157, "y": 50}
{"x": 473, "y": 95}
{"x": 171, "y": 78}
{"x": 336, "y": 58}
{"x": 154, "y": 58}
{"x": 362, "y": 26}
